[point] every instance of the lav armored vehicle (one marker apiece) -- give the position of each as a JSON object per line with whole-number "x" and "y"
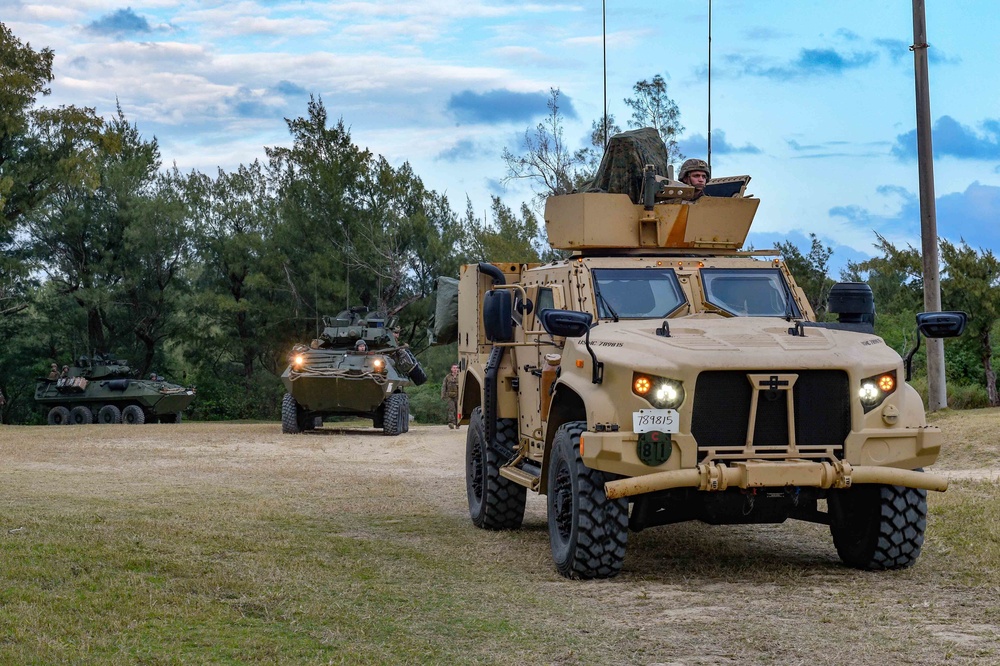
{"x": 355, "y": 368}
{"x": 102, "y": 389}
{"x": 661, "y": 374}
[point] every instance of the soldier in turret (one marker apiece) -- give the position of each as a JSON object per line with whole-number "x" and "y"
{"x": 695, "y": 172}
{"x": 53, "y": 372}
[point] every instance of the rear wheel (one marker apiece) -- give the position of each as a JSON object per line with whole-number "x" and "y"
{"x": 290, "y": 415}
{"x": 133, "y": 415}
{"x": 495, "y": 502}
{"x": 81, "y": 415}
{"x": 587, "y": 531}
{"x": 109, "y": 414}
{"x": 878, "y": 527}
{"x": 397, "y": 406}
{"x": 58, "y": 416}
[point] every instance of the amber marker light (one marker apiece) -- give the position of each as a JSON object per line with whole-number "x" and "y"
{"x": 886, "y": 383}
{"x": 641, "y": 385}
{"x": 579, "y": 362}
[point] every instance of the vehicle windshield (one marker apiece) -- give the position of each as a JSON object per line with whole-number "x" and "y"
{"x": 637, "y": 293}
{"x": 749, "y": 292}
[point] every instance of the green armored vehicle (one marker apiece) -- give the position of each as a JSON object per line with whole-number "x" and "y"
{"x": 355, "y": 368}
{"x": 102, "y": 389}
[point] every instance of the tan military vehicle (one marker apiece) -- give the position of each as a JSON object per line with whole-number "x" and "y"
{"x": 660, "y": 374}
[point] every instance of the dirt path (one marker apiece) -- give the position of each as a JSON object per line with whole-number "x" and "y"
{"x": 689, "y": 594}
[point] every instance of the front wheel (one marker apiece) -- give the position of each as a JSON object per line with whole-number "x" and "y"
{"x": 397, "y": 409}
{"x": 495, "y": 502}
{"x": 289, "y": 415}
{"x": 878, "y": 527}
{"x": 587, "y": 531}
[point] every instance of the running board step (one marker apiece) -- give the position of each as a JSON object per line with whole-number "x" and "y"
{"x": 521, "y": 477}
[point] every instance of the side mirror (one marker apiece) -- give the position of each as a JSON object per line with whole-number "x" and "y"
{"x": 942, "y": 324}
{"x": 565, "y": 323}
{"x": 935, "y": 325}
{"x": 497, "y": 323}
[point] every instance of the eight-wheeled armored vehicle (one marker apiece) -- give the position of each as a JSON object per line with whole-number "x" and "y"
{"x": 355, "y": 368}
{"x": 660, "y": 374}
{"x": 102, "y": 389}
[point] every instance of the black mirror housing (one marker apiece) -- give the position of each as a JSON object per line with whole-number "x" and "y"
{"x": 942, "y": 324}
{"x": 565, "y": 323}
{"x": 497, "y": 322}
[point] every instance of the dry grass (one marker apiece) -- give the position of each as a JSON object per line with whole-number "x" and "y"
{"x": 231, "y": 543}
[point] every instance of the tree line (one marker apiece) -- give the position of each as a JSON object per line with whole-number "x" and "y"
{"x": 210, "y": 279}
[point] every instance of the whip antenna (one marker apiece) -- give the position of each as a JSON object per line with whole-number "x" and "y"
{"x": 709, "y": 84}
{"x": 604, "y": 38}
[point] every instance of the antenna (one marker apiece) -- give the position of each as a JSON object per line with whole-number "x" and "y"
{"x": 604, "y": 38}
{"x": 709, "y": 84}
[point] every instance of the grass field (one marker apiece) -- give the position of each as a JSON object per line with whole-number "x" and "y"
{"x": 231, "y": 543}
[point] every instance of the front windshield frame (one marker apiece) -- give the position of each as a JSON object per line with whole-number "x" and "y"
{"x": 771, "y": 301}
{"x": 663, "y": 292}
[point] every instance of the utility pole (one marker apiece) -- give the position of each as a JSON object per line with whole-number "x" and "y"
{"x": 937, "y": 392}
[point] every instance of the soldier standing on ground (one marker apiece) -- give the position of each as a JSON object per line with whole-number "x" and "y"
{"x": 449, "y": 392}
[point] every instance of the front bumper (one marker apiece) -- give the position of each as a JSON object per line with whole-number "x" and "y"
{"x": 773, "y": 474}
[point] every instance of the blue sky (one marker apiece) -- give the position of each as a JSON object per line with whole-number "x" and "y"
{"x": 813, "y": 99}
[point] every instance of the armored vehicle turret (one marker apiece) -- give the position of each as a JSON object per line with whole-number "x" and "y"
{"x": 102, "y": 389}
{"x": 661, "y": 374}
{"x": 356, "y": 367}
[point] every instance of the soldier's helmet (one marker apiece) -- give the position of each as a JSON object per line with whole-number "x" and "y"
{"x": 360, "y": 346}
{"x": 694, "y": 164}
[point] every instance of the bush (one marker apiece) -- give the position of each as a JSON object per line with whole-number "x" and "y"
{"x": 426, "y": 404}
{"x": 960, "y": 396}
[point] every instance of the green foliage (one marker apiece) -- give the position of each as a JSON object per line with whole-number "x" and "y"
{"x": 810, "y": 271}
{"x": 652, "y": 107}
{"x": 426, "y": 404}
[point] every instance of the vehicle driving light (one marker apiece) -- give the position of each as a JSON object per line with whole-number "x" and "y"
{"x": 298, "y": 360}
{"x": 379, "y": 364}
{"x": 874, "y": 390}
{"x": 661, "y": 392}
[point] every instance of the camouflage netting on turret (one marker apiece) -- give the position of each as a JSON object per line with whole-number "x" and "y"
{"x": 621, "y": 170}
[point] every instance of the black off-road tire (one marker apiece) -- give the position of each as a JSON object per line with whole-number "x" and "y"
{"x": 109, "y": 414}
{"x": 289, "y": 415}
{"x": 406, "y": 416}
{"x": 587, "y": 531}
{"x": 81, "y": 415}
{"x": 133, "y": 415}
{"x": 397, "y": 406}
{"x": 495, "y": 503}
{"x": 879, "y": 527}
{"x": 418, "y": 376}
{"x": 171, "y": 418}
{"x": 58, "y": 416}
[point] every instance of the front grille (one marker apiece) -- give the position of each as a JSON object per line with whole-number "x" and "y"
{"x": 821, "y": 415}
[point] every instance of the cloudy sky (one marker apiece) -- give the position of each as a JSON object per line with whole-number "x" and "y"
{"x": 814, "y": 99}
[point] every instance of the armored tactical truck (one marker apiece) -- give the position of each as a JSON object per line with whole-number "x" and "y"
{"x": 660, "y": 374}
{"x": 102, "y": 389}
{"x": 355, "y": 368}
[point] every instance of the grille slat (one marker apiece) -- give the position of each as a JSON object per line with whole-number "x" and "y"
{"x": 721, "y": 417}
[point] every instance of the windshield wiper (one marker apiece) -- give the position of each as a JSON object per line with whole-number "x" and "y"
{"x": 600, "y": 296}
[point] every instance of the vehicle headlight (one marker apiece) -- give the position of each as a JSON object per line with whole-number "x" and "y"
{"x": 298, "y": 360}
{"x": 876, "y": 389}
{"x": 378, "y": 364}
{"x": 661, "y": 392}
